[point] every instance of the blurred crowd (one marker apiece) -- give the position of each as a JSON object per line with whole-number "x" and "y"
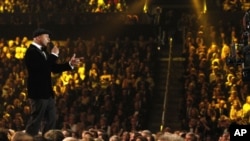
{"x": 75, "y": 6}
{"x": 35, "y": 12}
{"x": 109, "y": 95}
{"x": 110, "y": 91}
{"x": 215, "y": 94}
{"x": 235, "y": 5}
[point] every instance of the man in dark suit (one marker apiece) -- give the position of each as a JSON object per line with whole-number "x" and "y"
{"x": 40, "y": 63}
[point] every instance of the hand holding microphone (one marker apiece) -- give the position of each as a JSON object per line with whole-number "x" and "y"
{"x": 54, "y": 48}
{"x": 74, "y": 61}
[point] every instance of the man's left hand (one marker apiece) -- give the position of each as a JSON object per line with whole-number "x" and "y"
{"x": 74, "y": 61}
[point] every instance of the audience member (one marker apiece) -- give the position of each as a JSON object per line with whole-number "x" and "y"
{"x": 54, "y": 135}
{"x": 70, "y": 139}
{"x": 108, "y": 98}
{"x": 21, "y": 136}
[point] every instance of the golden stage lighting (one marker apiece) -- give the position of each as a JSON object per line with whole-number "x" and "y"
{"x": 200, "y": 6}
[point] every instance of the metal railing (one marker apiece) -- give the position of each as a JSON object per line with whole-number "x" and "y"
{"x": 167, "y": 85}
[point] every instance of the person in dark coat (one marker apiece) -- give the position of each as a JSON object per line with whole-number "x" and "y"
{"x": 40, "y": 63}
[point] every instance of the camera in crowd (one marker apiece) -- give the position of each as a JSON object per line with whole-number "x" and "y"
{"x": 240, "y": 56}
{"x": 240, "y": 52}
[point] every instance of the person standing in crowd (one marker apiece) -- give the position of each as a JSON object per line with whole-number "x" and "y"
{"x": 40, "y": 63}
{"x": 246, "y": 109}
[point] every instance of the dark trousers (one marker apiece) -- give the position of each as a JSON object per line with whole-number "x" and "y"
{"x": 42, "y": 111}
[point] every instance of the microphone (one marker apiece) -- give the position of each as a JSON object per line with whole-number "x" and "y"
{"x": 51, "y": 45}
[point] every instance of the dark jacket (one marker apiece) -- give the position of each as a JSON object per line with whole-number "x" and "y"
{"x": 39, "y": 68}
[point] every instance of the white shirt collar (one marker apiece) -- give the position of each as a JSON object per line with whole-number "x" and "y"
{"x": 37, "y": 45}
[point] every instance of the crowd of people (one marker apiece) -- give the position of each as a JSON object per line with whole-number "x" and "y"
{"x": 111, "y": 90}
{"x": 78, "y": 6}
{"x": 109, "y": 95}
{"x": 216, "y": 94}
{"x": 33, "y": 12}
{"x": 234, "y": 5}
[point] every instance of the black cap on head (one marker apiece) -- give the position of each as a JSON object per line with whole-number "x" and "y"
{"x": 40, "y": 31}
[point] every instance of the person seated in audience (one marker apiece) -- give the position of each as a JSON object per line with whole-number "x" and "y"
{"x": 21, "y": 136}
{"x": 54, "y": 135}
{"x": 246, "y": 109}
{"x": 70, "y": 139}
{"x": 190, "y": 136}
{"x": 235, "y": 112}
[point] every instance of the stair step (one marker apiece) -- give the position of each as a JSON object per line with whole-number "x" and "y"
{"x": 174, "y": 91}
